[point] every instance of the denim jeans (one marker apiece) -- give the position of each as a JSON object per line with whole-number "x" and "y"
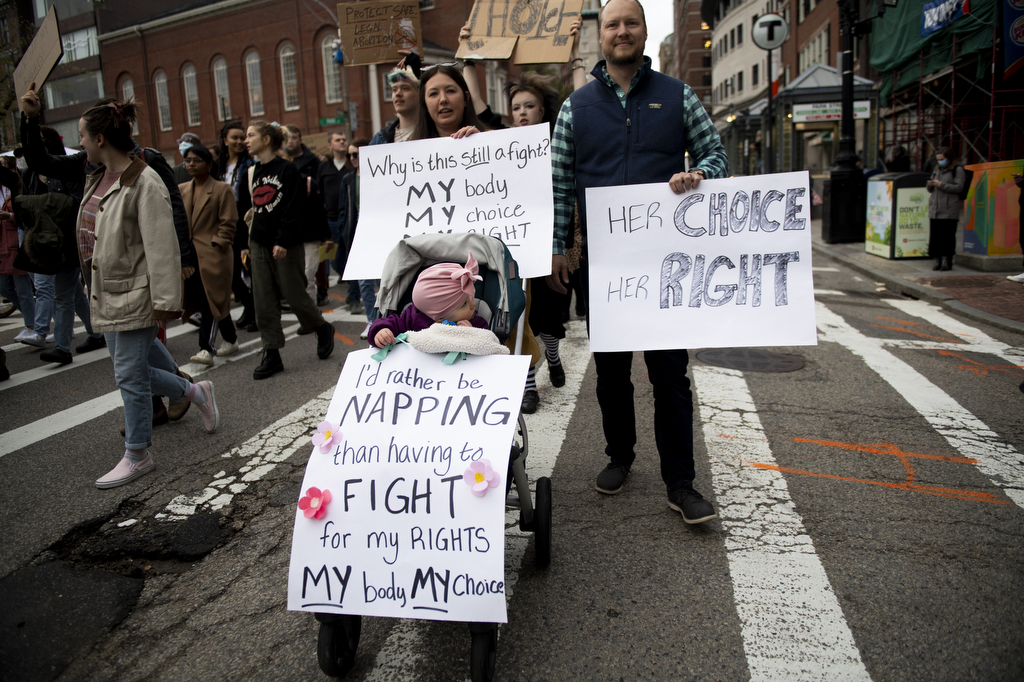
{"x": 18, "y": 290}
{"x": 142, "y": 368}
{"x": 369, "y": 296}
{"x": 64, "y": 299}
{"x": 673, "y": 404}
{"x": 44, "y": 302}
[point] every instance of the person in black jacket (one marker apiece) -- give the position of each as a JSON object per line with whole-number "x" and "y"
{"x": 329, "y": 178}
{"x": 275, "y": 248}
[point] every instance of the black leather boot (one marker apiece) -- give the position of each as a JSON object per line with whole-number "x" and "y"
{"x": 948, "y": 265}
{"x": 269, "y": 365}
{"x": 938, "y": 264}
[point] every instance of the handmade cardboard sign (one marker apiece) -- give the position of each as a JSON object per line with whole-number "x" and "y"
{"x": 496, "y": 183}
{"x": 43, "y": 53}
{"x": 402, "y": 511}
{"x": 373, "y": 31}
{"x": 725, "y": 265}
{"x": 538, "y": 30}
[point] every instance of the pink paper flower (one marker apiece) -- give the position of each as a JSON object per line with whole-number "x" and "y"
{"x": 314, "y": 504}
{"x": 480, "y": 477}
{"x": 326, "y": 437}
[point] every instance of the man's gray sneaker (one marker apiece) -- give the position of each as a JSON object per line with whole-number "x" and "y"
{"x": 611, "y": 479}
{"x": 689, "y": 503}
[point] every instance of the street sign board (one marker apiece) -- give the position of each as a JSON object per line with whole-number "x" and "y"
{"x": 770, "y": 31}
{"x": 829, "y": 111}
{"x": 336, "y": 121}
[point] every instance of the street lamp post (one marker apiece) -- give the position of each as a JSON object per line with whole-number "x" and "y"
{"x": 846, "y": 190}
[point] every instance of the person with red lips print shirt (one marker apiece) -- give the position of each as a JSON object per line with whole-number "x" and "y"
{"x": 275, "y": 248}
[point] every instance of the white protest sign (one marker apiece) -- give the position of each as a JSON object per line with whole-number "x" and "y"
{"x": 403, "y": 534}
{"x": 496, "y": 183}
{"x": 725, "y": 265}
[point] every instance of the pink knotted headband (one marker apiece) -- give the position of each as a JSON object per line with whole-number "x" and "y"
{"x": 442, "y": 288}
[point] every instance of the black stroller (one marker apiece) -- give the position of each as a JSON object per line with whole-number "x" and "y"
{"x": 501, "y": 300}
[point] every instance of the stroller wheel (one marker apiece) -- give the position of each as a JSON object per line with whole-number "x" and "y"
{"x": 485, "y": 652}
{"x": 336, "y": 644}
{"x": 542, "y": 523}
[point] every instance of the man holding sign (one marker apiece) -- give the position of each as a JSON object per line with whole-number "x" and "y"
{"x": 631, "y": 126}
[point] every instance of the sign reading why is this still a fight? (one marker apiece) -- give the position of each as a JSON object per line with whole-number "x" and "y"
{"x": 373, "y": 32}
{"x": 405, "y": 533}
{"x": 727, "y": 264}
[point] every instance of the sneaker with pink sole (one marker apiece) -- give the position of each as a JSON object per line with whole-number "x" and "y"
{"x": 125, "y": 472}
{"x": 211, "y": 415}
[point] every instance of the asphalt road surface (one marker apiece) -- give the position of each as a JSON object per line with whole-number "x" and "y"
{"x": 869, "y": 499}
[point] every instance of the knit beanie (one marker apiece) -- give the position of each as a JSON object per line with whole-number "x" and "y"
{"x": 442, "y": 288}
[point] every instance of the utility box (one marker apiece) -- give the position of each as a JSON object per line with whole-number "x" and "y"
{"x": 897, "y": 215}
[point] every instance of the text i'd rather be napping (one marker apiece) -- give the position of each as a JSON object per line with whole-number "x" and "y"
{"x": 403, "y": 534}
{"x": 727, "y": 264}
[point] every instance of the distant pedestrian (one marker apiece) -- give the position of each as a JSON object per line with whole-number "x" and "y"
{"x": 185, "y": 142}
{"x": 276, "y": 248}
{"x": 232, "y": 167}
{"x": 944, "y": 207}
{"x": 1018, "y": 179}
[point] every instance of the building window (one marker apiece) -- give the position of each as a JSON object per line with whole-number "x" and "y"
{"x": 739, "y": 81}
{"x": 188, "y": 77}
{"x": 705, "y": 61}
{"x": 82, "y": 87}
{"x": 252, "y": 74}
{"x": 162, "y": 100}
{"x": 426, "y": 4}
{"x": 753, "y": 74}
{"x": 221, "y": 88}
{"x": 739, "y": 34}
{"x": 814, "y": 52}
{"x": 332, "y": 77}
{"x": 5, "y": 31}
{"x": 65, "y": 8}
{"x": 79, "y": 44}
{"x": 289, "y": 78}
{"x": 495, "y": 80}
{"x": 127, "y": 95}
{"x": 705, "y": 79}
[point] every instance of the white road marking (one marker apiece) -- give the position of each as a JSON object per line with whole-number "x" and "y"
{"x": 974, "y": 339}
{"x": 828, "y": 292}
{"x": 822, "y": 269}
{"x": 398, "y": 658}
{"x": 792, "y": 625}
{"x": 965, "y": 433}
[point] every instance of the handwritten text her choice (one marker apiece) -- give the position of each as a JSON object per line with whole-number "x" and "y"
{"x": 726, "y": 264}
{"x": 496, "y": 183}
{"x": 403, "y": 536}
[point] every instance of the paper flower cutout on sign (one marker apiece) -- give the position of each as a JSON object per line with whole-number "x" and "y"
{"x": 314, "y": 504}
{"x": 327, "y": 435}
{"x": 480, "y": 477}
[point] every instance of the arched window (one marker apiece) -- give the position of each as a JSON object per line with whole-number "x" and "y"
{"x": 220, "y": 84}
{"x": 188, "y": 75}
{"x": 252, "y": 74}
{"x": 128, "y": 94}
{"x": 289, "y": 78}
{"x": 162, "y": 100}
{"x": 332, "y": 77}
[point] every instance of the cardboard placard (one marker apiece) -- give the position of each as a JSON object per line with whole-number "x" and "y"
{"x": 404, "y": 534}
{"x": 725, "y": 265}
{"x": 42, "y": 55}
{"x": 496, "y": 183}
{"x": 538, "y": 30}
{"x": 372, "y": 32}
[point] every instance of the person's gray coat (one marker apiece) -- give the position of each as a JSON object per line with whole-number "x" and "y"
{"x": 945, "y": 203}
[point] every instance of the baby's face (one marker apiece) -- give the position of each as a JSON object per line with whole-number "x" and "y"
{"x": 464, "y": 311}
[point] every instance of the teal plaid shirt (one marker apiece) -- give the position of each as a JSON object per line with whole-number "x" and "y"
{"x": 705, "y": 147}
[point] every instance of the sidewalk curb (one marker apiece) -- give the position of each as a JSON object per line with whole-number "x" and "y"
{"x": 904, "y": 288}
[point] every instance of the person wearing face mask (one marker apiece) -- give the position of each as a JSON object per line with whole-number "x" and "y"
{"x": 944, "y": 207}
{"x": 185, "y": 142}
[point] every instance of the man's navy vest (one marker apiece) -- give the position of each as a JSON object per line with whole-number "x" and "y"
{"x": 641, "y": 143}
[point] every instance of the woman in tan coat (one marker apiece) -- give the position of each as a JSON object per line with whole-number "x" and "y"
{"x": 212, "y": 220}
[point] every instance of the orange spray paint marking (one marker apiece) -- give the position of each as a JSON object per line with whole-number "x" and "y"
{"x": 921, "y": 334}
{"x": 904, "y": 457}
{"x": 981, "y": 369}
{"x": 344, "y": 339}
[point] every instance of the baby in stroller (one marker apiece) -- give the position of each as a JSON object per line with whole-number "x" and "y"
{"x": 443, "y": 293}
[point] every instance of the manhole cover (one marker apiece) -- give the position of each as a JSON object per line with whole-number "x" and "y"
{"x": 750, "y": 360}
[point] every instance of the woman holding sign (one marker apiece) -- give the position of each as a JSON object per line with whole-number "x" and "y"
{"x": 446, "y": 107}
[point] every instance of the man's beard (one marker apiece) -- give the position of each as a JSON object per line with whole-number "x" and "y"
{"x": 628, "y": 59}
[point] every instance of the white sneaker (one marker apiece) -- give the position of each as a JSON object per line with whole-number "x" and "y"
{"x": 227, "y": 348}
{"x": 32, "y": 339}
{"x": 203, "y": 357}
{"x": 366, "y": 332}
{"x": 1016, "y": 278}
{"x": 24, "y": 335}
{"x": 49, "y": 338}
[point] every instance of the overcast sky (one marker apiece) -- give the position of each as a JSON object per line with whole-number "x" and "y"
{"x": 659, "y": 25}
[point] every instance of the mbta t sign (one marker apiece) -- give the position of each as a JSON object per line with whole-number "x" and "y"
{"x": 770, "y": 31}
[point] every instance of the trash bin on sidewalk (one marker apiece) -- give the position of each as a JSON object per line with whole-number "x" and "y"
{"x": 897, "y": 210}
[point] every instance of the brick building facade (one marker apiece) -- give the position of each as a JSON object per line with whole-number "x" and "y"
{"x": 691, "y": 48}
{"x": 268, "y": 59}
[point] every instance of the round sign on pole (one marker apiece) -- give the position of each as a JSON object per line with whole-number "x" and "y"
{"x": 770, "y": 31}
